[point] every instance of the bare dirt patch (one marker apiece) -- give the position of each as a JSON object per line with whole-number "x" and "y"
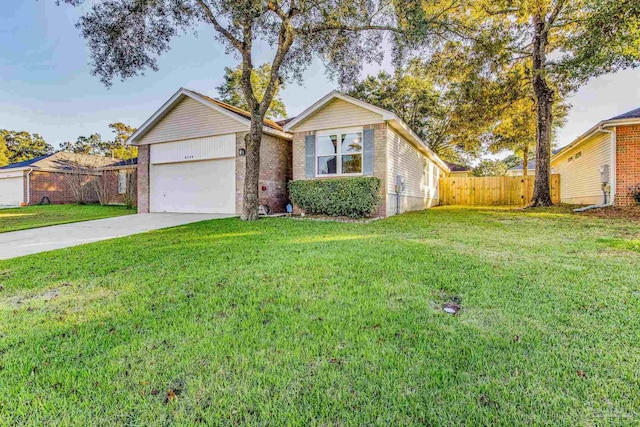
{"x": 630, "y": 212}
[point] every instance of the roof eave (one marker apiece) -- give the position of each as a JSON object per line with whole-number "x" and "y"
{"x": 420, "y": 143}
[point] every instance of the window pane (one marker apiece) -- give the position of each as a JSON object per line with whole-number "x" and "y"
{"x": 327, "y": 144}
{"x": 352, "y": 143}
{"x": 327, "y": 165}
{"x": 352, "y": 163}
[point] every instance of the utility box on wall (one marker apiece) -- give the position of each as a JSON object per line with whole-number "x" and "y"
{"x": 604, "y": 174}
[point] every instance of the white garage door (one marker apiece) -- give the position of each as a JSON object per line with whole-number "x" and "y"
{"x": 11, "y": 191}
{"x": 207, "y": 186}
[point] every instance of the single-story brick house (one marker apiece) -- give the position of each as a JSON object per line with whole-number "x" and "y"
{"x": 191, "y": 155}
{"x": 191, "y": 158}
{"x": 604, "y": 161}
{"x": 342, "y": 136}
{"x": 55, "y": 178}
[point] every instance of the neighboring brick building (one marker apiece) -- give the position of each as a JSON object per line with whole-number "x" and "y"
{"x": 627, "y": 162}
{"x": 609, "y": 151}
{"x": 61, "y": 178}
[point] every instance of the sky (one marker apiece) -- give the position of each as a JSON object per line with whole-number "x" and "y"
{"x": 46, "y": 85}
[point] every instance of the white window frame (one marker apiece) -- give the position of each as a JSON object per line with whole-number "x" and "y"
{"x": 122, "y": 181}
{"x": 426, "y": 174}
{"x": 338, "y": 132}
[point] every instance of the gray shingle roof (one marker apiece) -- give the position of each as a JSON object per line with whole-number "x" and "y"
{"x": 633, "y": 114}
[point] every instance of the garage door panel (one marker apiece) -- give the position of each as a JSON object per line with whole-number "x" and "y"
{"x": 193, "y": 187}
{"x": 11, "y": 191}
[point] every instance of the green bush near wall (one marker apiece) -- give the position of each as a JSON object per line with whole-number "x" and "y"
{"x": 355, "y": 197}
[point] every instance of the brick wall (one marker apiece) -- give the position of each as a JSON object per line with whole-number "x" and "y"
{"x": 111, "y": 177}
{"x": 58, "y": 187}
{"x": 379, "y": 160}
{"x": 275, "y": 172}
{"x": 627, "y": 163}
{"x": 143, "y": 179}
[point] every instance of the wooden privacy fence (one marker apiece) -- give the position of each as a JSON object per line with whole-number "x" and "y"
{"x": 492, "y": 190}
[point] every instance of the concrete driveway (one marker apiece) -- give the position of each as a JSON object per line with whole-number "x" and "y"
{"x": 26, "y": 242}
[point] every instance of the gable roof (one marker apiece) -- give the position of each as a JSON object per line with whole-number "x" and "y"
{"x": 530, "y": 166}
{"x": 242, "y": 116}
{"x": 629, "y": 118}
{"x": 453, "y": 167}
{"x": 25, "y": 163}
{"x": 387, "y": 116}
{"x": 633, "y": 114}
{"x": 62, "y": 161}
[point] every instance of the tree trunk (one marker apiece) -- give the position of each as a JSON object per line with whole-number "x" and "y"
{"x": 525, "y": 161}
{"x": 544, "y": 101}
{"x": 252, "y": 169}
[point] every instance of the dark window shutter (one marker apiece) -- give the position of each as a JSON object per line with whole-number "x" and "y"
{"x": 367, "y": 152}
{"x": 310, "y": 156}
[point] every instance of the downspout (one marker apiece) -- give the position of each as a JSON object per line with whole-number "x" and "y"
{"x": 612, "y": 168}
{"x": 612, "y": 173}
{"x": 29, "y": 186}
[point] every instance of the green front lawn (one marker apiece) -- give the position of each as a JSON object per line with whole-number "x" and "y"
{"x": 285, "y": 322}
{"x": 41, "y": 216}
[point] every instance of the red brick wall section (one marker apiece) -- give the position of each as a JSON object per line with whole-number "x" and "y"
{"x": 143, "y": 179}
{"x": 57, "y": 188}
{"x": 275, "y": 172}
{"x": 627, "y": 163}
{"x": 111, "y": 177}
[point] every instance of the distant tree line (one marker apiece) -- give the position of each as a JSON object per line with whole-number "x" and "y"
{"x": 18, "y": 146}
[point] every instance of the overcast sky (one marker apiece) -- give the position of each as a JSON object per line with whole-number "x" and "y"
{"x": 46, "y": 85}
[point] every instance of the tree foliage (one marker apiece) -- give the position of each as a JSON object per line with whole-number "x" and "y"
{"x": 489, "y": 167}
{"x": 126, "y": 37}
{"x": 4, "y": 151}
{"x": 230, "y": 91}
{"x": 94, "y": 144}
{"x": 554, "y": 46}
{"x": 22, "y": 145}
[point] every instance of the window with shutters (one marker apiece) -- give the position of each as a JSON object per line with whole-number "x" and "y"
{"x": 339, "y": 152}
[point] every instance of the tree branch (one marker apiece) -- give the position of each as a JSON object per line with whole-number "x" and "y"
{"x": 212, "y": 19}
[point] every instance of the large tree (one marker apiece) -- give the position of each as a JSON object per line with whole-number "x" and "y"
{"x": 22, "y": 145}
{"x": 560, "y": 43}
{"x": 230, "y": 91}
{"x": 126, "y": 37}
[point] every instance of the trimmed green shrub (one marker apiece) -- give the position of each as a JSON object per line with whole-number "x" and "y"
{"x": 353, "y": 197}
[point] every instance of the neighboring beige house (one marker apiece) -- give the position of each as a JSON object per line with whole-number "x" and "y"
{"x": 341, "y": 136}
{"x": 191, "y": 158}
{"x": 601, "y": 165}
{"x": 519, "y": 170}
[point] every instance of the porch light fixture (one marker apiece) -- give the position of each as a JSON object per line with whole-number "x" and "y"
{"x": 242, "y": 152}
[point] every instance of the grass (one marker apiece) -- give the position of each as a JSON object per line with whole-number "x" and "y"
{"x": 41, "y": 216}
{"x": 284, "y": 322}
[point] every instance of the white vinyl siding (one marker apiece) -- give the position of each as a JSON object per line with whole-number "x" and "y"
{"x": 191, "y": 119}
{"x": 338, "y": 114}
{"x": 420, "y": 173}
{"x": 580, "y": 178}
{"x": 212, "y": 147}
